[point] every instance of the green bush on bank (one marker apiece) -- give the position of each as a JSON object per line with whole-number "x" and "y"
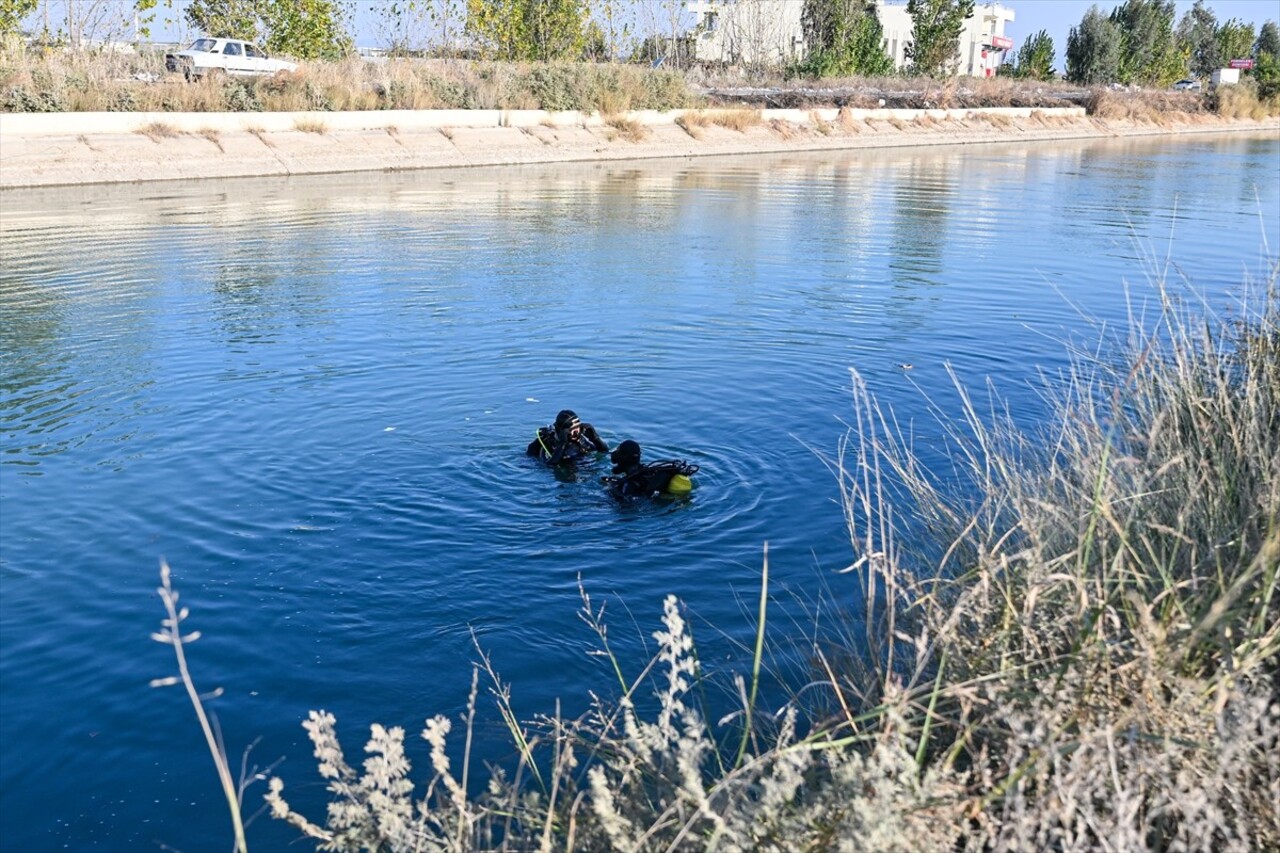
{"x": 1084, "y": 656}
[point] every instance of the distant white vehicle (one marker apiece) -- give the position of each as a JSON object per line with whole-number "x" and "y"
{"x": 224, "y": 56}
{"x": 1187, "y": 85}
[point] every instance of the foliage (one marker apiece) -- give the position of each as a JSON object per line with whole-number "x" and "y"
{"x": 1235, "y": 40}
{"x": 1198, "y": 37}
{"x": 1036, "y": 57}
{"x": 1093, "y": 49}
{"x": 1267, "y": 73}
{"x": 845, "y": 38}
{"x": 935, "y": 37}
{"x": 236, "y": 19}
{"x": 529, "y": 29}
{"x": 1268, "y": 43}
{"x": 1149, "y": 55}
{"x": 307, "y": 29}
{"x": 12, "y": 14}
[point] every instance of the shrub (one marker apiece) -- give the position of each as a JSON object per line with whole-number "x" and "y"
{"x": 556, "y": 87}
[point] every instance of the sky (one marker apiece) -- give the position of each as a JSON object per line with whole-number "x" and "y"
{"x": 1055, "y": 16}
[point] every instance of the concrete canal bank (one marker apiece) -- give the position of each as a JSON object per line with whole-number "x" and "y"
{"x": 84, "y": 148}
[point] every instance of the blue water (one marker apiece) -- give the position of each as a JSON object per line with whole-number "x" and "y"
{"x": 311, "y": 396}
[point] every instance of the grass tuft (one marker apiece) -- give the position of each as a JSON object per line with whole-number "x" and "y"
{"x": 311, "y": 125}
{"x": 158, "y": 130}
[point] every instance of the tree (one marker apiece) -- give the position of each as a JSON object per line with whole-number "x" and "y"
{"x": 1268, "y": 43}
{"x": 529, "y": 29}
{"x": 12, "y": 13}
{"x": 235, "y": 19}
{"x": 843, "y": 38}
{"x": 1093, "y": 50}
{"x": 1148, "y": 54}
{"x": 1198, "y": 37}
{"x": 556, "y": 29}
{"x": 935, "y": 37}
{"x": 307, "y": 29}
{"x": 1035, "y": 57}
{"x": 1235, "y": 40}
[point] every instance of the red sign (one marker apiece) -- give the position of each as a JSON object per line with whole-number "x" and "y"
{"x": 1001, "y": 42}
{"x": 1240, "y": 63}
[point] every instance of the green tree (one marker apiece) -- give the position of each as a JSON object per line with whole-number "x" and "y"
{"x": 1235, "y": 41}
{"x": 529, "y": 29}
{"x": 1036, "y": 57}
{"x": 1198, "y": 37}
{"x": 843, "y": 38}
{"x": 235, "y": 19}
{"x": 12, "y": 14}
{"x": 307, "y": 29}
{"x": 1268, "y": 43}
{"x": 557, "y": 29}
{"x": 1148, "y": 53}
{"x": 1093, "y": 50}
{"x": 935, "y": 38}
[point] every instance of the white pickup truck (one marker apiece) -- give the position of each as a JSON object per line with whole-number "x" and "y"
{"x": 225, "y": 56}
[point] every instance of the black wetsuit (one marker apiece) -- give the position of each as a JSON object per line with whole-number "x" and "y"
{"x": 644, "y": 481}
{"x": 549, "y": 449}
{"x": 640, "y": 481}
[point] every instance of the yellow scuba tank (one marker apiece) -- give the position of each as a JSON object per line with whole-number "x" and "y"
{"x": 679, "y": 484}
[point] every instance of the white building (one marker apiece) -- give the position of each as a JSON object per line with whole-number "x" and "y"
{"x": 765, "y": 33}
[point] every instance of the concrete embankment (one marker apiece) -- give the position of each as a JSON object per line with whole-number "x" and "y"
{"x": 85, "y": 148}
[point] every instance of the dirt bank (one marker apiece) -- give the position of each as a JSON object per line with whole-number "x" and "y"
{"x": 84, "y": 148}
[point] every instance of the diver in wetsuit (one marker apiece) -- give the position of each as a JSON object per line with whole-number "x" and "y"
{"x": 567, "y": 440}
{"x": 634, "y": 479}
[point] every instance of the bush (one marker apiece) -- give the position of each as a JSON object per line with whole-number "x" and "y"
{"x": 556, "y": 87}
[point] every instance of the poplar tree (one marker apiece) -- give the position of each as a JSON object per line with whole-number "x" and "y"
{"x": 1093, "y": 50}
{"x": 935, "y": 38}
{"x": 1198, "y": 38}
{"x": 1266, "y": 55}
{"x": 1036, "y": 57}
{"x": 1148, "y": 54}
{"x": 1235, "y": 41}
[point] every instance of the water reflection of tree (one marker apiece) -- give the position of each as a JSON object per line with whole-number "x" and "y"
{"x": 923, "y": 194}
{"x": 33, "y": 366}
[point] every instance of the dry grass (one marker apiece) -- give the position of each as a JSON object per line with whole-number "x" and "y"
{"x": 739, "y": 120}
{"x": 261, "y": 133}
{"x": 1241, "y": 101}
{"x": 819, "y": 124}
{"x": 158, "y": 130}
{"x": 785, "y": 129}
{"x": 83, "y": 82}
{"x": 693, "y": 123}
{"x": 310, "y": 125}
{"x": 213, "y": 135}
{"x": 627, "y": 128}
{"x": 897, "y": 123}
{"x": 999, "y": 120}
